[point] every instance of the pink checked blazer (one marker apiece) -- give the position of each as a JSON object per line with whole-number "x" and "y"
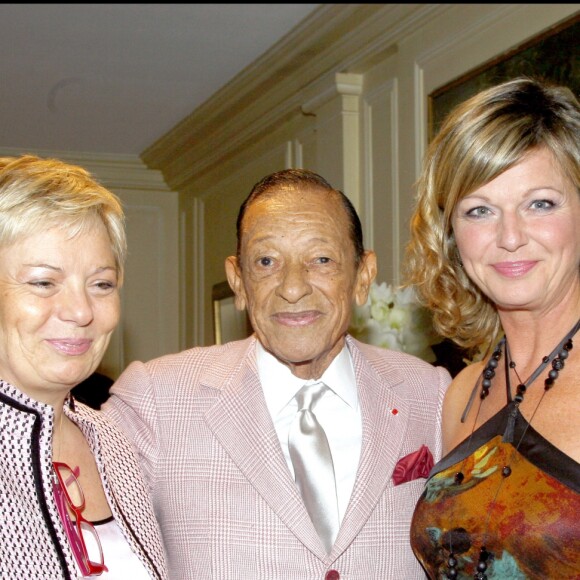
{"x": 222, "y": 491}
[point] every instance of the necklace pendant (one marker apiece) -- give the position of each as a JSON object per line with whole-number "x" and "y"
{"x": 508, "y": 435}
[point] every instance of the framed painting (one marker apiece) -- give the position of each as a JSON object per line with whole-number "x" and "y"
{"x": 229, "y": 323}
{"x": 553, "y": 55}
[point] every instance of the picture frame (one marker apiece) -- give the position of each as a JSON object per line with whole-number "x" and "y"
{"x": 229, "y": 323}
{"x": 553, "y": 55}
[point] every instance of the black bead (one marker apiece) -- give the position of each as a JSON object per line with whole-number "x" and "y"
{"x": 546, "y": 360}
{"x": 569, "y": 345}
{"x": 486, "y": 383}
{"x": 480, "y": 576}
{"x": 518, "y": 398}
{"x": 481, "y": 566}
{"x": 452, "y": 573}
{"x": 492, "y": 363}
{"x": 521, "y": 389}
{"x": 452, "y": 561}
{"x": 484, "y": 393}
{"x": 506, "y": 471}
{"x": 563, "y": 354}
{"x": 558, "y": 364}
{"x": 459, "y": 477}
{"x": 548, "y": 384}
{"x": 553, "y": 374}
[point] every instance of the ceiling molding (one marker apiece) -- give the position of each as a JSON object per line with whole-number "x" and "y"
{"x": 339, "y": 38}
{"x": 119, "y": 171}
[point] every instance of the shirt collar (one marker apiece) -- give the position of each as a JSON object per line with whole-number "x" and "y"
{"x": 280, "y": 385}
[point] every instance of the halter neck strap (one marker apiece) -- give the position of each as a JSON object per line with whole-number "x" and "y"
{"x": 533, "y": 376}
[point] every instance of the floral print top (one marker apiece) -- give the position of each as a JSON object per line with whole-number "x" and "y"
{"x": 528, "y": 521}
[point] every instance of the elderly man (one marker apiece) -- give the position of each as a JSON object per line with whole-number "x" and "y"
{"x": 297, "y": 453}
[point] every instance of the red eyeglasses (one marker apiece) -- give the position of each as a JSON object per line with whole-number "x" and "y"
{"x": 67, "y": 491}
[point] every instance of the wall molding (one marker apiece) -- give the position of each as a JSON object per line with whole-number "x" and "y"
{"x": 197, "y": 269}
{"x": 113, "y": 170}
{"x": 344, "y": 38}
{"x": 390, "y": 89}
{"x": 343, "y": 84}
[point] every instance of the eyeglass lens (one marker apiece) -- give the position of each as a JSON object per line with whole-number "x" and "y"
{"x": 88, "y": 551}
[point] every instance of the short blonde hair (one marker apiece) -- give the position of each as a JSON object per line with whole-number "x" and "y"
{"x": 479, "y": 140}
{"x": 36, "y": 194}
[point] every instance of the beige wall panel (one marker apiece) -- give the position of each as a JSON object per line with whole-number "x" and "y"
{"x": 221, "y": 205}
{"x": 380, "y": 178}
{"x": 309, "y": 151}
{"x": 150, "y": 296}
{"x": 336, "y": 106}
{"x": 191, "y": 273}
{"x": 329, "y": 138}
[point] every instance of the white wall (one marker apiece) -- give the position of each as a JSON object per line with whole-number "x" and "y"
{"x": 150, "y": 298}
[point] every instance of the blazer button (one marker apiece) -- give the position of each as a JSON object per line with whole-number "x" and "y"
{"x": 332, "y": 575}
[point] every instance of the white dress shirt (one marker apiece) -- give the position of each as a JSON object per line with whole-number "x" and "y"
{"x": 338, "y": 412}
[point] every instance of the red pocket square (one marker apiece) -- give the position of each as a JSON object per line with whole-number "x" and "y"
{"x": 413, "y": 466}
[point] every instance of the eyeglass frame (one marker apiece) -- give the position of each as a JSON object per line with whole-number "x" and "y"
{"x": 74, "y": 530}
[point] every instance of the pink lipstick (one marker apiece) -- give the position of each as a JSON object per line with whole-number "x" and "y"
{"x": 514, "y": 269}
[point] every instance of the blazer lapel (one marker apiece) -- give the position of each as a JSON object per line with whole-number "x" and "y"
{"x": 384, "y": 419}
{"x": 241, "y": 422}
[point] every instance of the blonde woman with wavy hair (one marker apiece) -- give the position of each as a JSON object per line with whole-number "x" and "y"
{"x": 481, "y": 138}
{"x": 495, "y": 255}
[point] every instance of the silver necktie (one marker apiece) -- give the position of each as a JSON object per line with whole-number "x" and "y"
{"x": 313, "y": 467}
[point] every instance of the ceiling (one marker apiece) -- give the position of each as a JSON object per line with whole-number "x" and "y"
{"x": 113, "y": 78}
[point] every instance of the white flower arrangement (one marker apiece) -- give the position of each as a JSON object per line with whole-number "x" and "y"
{"x": 393, "y": 318}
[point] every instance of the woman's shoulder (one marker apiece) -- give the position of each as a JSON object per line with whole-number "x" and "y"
{"x": 460, "y": 390}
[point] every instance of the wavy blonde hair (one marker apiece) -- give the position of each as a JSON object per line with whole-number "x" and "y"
{"x": 479, "y": 140}
{"x": 36, "y": 194}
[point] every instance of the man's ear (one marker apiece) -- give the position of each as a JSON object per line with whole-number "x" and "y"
{"x": 367, "y": 272}
{"x": 234, "y": 276}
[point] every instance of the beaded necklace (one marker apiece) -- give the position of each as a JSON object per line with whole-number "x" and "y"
{"x": 557, "y": 357}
